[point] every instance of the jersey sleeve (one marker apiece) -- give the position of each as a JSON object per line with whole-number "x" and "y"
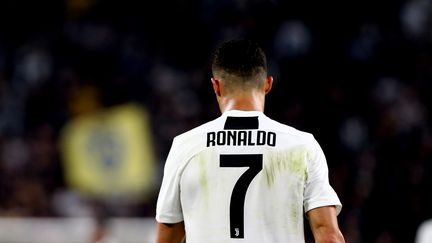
{"x": 168, "y": 208}
{"x": 318, "y": 191}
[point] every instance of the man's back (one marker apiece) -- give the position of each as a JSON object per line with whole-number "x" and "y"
{"x": 244, "y": 176}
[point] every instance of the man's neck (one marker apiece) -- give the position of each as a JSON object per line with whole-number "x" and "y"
{"x": 242, "y": 103}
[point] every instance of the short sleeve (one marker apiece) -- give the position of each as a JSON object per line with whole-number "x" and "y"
{"x": 168, "y": 208}
{"x": 318, "y": 191}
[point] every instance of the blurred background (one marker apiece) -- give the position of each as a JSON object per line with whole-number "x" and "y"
{"x": 93, "y": 91}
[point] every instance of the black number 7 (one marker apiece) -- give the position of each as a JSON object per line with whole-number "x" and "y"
{"x": 254, "y": 162}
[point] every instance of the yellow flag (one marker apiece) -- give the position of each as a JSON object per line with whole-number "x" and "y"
{"x": 110, "y": 153}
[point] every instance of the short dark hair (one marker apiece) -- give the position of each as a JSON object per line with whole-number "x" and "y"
{"x": 242, "y": 59}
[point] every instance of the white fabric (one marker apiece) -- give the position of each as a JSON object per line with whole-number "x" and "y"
{"x": 197, "y": 190}
{"x": 424, "y": 232}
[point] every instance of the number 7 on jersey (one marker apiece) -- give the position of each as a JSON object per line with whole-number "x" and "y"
{"x": 254, "y": 162}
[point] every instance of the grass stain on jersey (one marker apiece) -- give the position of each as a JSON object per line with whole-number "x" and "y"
{"x": 203, "y": 177}
{"x": 292, "y": 161}
{"x": 286, "y": 169}
{"x": 296, "y": 213}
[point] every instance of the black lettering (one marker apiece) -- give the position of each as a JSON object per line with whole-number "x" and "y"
{"x": 271, "y": 139}
{"x": 211, "y": 139}
{"x": 250, "y": 142}
{"x": 261, "y": 138}
{"x": 242, "y": 138}
{"x": 221, "y": 137}
{"x": 232, "y": 136}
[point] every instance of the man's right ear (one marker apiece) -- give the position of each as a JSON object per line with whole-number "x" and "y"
{"x": 216, "y": 86}
{"x": 268, "y": 84}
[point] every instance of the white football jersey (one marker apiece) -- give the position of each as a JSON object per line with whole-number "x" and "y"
{"x": 244, "y": 178}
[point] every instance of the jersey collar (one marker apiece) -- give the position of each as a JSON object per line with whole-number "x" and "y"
{"x": 241, "y": 113}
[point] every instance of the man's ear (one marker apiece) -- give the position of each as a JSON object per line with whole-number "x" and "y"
{"x": 216, "y": 86}
{"x": 268, "y": 84}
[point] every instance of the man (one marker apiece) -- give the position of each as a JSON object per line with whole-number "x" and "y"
{"x": 244, "y": 177}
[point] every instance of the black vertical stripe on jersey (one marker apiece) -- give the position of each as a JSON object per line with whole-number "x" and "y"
{"x": 241, "y": 123}
{"x": 254, "y": 162}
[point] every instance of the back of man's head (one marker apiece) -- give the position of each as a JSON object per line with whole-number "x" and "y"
{"x": 240, "y": 64}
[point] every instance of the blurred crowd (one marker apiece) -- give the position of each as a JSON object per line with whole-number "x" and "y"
{"x": 358, "y": 75}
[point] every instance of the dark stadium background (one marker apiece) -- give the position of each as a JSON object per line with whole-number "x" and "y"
{"x": 357, "y": 74}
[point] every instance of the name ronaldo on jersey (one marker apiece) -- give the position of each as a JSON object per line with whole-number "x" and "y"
{"x": 241, "y": 138}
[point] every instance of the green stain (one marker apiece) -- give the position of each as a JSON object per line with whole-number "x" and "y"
{"x": 295, "y": 214}
{"x": 288, "y": 168}
{"x": 291, "y": 161}
{"x": 203, "y": 181}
